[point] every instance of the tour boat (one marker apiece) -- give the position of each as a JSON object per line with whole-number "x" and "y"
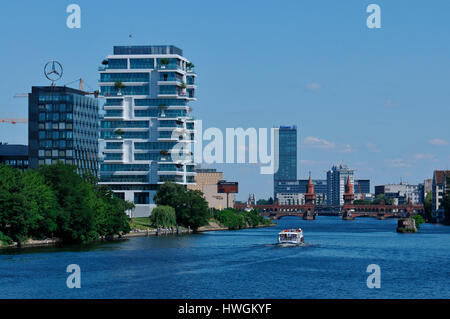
{"x": 291, "y": 236}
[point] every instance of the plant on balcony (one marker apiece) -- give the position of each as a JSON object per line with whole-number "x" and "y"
{"x": 183, "y": 85}
{"x": 190, "y": 66}
{"x": 163, "y": 154}
{"x": 119, "y": 133}
{"x": 164, "y": 62}
{"x": 105, "y": 62}
{"x": 162, "y": 108}
{"x": 119, "y": 85}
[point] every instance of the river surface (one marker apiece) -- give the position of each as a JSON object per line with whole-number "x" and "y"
{"x": 243, "y": 264}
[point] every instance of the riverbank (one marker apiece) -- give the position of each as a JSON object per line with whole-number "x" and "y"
{"x": 212, "y": 226}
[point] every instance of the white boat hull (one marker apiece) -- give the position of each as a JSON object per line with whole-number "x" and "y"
{"x": 289, "y": 237}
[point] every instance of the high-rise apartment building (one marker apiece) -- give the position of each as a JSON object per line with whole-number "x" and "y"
{"x": 439, "y": 188}
{"x": 63, "y": 125}
{"x": 287, "y": 157}
{"x": 336, "y": 180}
{"x": 146, "y": 131}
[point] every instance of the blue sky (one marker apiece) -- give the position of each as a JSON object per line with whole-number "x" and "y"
{"x": 374, "y": 99}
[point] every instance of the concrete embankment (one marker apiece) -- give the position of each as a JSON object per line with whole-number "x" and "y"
{"x": 213, "y": 226}
{"x": 34, "y": 243}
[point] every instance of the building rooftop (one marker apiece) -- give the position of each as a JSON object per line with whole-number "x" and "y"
{"x": 13, "y": 150}
{"x": 206, "y": 170}
{"x": 439, "y": 175}
{"x": 57, "y": 89}
{"x": 293, "y": 127}
{"x": 147, "y": 49}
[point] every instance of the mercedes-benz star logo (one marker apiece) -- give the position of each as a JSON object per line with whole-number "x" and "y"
{"x": 53, "y": 71}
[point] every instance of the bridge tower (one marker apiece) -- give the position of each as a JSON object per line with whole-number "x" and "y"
{"x": 349, "y": 196}
{"x": 310, "y": 197}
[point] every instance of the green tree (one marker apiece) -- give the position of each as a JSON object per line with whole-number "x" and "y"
{"x": 427, "y": 204}
{"x": 163, "y": 216}
{"x": 419, "y": 220}
{"x": 265, "y": 201}
{"x": 191, "y": 208}
{"x": 55, "y": 200}
{"x": 41, "y": 205}
{"x": 362, "y": 202}
{"x": 76, "y": 222}
{"x": 110, "y": 216}
{"x": 234, "y": 219}
{"x": 13, "y": 218}
{"x": 381, "y": 198}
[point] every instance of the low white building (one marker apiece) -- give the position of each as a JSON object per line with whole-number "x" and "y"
{"x": 291, "y": 198}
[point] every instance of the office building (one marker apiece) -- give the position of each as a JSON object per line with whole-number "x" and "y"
{"x": 206, "y": 181}
{"x": 336, "y": 180}
{"x": 287, "y": 157}
{"x": 400, "y": 193}
{"x": 146, "y": 131}
{"x": 362, "y": 186}
{"x": 439, "y": 188}
{"x": 288, "y": 186}
{"x": 14, "y": 155}
{"x": 63, "y": 125}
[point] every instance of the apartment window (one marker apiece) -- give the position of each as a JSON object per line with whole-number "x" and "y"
{"x": 142, "y": 198}
{"x": 120, "y": 195}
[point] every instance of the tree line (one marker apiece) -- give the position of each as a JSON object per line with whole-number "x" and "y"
{"x": 234, "y": 219}
{"x": 54, "y": 201}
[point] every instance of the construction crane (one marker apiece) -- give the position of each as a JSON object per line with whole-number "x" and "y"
{"x": 81, "y": 87}
{"x": 13, "y": 121}
{"x": 12, "y": 118}
{"x": 17, "y": 95}
{"x": 359, "y": 191}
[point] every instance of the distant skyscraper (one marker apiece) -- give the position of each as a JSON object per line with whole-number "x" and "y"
{"x": 287, "y": 156}
{"x": 147, "y": 91}
{"x": 336, "y": 180}
{"x": 63, "y": 125}
{"x": 362, "y": 186}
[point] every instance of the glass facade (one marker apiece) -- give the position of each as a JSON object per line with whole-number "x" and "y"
{"x": 287, "y": 156}
{"x": 63, "y": 126}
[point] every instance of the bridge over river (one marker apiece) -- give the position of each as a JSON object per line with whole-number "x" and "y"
{"x": 346, "y": 211}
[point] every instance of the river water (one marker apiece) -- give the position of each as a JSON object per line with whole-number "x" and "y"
{"x": 243, "y": 264}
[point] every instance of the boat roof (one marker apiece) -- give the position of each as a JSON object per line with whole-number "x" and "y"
{"x": 299, "y": 230}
